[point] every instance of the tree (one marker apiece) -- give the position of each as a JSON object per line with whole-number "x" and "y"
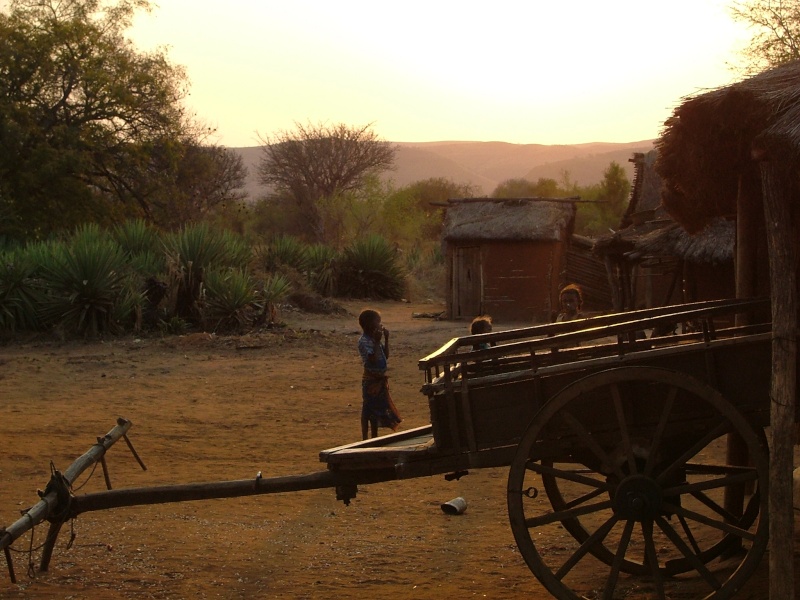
{"x": 606, "y": 202}
{"x": 415, "y": 213}
{"x": 317, "y": 162}
{"x": 615, "y": 191}
{"x": 523, "y": 188}
{"x": 90, "y": 128}
{"x": 776, "y": 25}
{"x": 207, "y": 178}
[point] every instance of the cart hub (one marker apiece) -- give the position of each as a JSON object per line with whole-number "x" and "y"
{"x": 637, "y": 497}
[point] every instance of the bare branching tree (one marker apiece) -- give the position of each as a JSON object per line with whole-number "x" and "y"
{"x": 316, "y": 162}
{"x": 776, "y": 27}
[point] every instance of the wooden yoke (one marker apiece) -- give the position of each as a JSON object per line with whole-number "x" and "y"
{"x": 56, "y": 499}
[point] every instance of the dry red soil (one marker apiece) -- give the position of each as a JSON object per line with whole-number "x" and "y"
{"x": 208, "y": 408}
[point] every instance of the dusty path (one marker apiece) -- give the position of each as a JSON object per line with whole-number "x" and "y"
{"x": 212, "y": 409}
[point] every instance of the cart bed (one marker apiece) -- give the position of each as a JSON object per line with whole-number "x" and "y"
{"x": 482, "y": 401}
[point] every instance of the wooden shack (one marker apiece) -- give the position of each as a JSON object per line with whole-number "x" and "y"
{"x": 651, "y": 260}
{"x": 506, "y": 257}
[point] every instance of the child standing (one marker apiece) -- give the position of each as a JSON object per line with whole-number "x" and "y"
{"x": 377, "y": 409}
{"x": 481, "y": 324}
{"x": 570, "y": 299}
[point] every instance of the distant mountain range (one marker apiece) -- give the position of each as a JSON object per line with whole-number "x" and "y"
{"x": 487, "y": 164}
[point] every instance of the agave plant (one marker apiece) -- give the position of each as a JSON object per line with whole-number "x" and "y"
{"x": 192, "y": 251}
{"x": 229, "y": 298}
{"x": 275, "y": 288}
{"x": 143, "y": 246}
{"x": 370, "y": 269}
{"x": 85, "y": 278}
{"x": 322, "y": 269}
{"x": 20, "y": 291}
{"x": 137, "y": 237}
{"x": 130, "y": 303}
{"x": 282, "y": 251}
{"x": 236, "y": 251}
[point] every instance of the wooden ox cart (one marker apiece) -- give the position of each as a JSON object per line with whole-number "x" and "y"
{"x": 624, "y": 432}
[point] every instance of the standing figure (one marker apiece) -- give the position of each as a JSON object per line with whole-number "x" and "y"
{"x": 377, "y": 409}
{"x": 570, "y": 300}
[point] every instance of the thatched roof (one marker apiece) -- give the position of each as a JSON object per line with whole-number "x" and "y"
{"x": 711, "y": 138}
{"x": 531, "y": 219}
{"x": 644, "y": 214}
{"x": 713, "y": 245}
{"x": 624, "y": 240}
{"x": 646, "y": 188}
{"x": 649, "y": 231}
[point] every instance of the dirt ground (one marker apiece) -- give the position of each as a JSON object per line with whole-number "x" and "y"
{"x": 207, "y": 408}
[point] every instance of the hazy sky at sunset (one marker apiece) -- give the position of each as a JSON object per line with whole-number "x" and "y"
{"x": 523, "y": 71}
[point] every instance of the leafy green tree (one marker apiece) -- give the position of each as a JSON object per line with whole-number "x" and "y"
{"x": 414, "y": 214}
{"x": 776, "y": 27}
{"x": 313, "y": 163}
{"x": 606, "y": 204}
{"x": 91, "y": 129}
{"x": 615, "y": 190}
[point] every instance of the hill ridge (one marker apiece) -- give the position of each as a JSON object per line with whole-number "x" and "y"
{"x": 485, "y": 165}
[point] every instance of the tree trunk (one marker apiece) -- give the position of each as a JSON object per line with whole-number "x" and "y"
{"x": 776, "y": 185}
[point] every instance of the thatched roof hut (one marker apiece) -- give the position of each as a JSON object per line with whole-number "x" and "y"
{"x": 506, "y": 257}
{"x": 735, "y": 151}
{"x": 709, "y": 143}
{"x": 517, "y": 219}
{"x": 651, "y": 253}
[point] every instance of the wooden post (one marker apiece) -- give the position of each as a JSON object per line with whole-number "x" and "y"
{"x": 747, "y": 207}
{"x": 776, "y": 184}
{"x": 49, "y": 545}
{"x": 613, "y": 283}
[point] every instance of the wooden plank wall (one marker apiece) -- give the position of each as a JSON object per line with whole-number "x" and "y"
{"x": 589, "y": 272}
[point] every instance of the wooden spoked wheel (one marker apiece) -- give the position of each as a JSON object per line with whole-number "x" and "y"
{"x": 634, "y": 465}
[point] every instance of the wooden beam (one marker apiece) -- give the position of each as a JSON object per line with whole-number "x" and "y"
{"x": 230, "y": 489}
{"x": 52, "y": 503}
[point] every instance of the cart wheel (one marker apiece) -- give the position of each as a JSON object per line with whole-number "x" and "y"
{"x": 633, "y": 463}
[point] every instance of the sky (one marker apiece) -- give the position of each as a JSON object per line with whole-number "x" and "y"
{"x": 524, "y": 72}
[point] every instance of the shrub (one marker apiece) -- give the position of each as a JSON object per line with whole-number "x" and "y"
{"x": 282, "y": 251}
{"x": 84, "y": 278}
{"x": 20, "y": 291}
{"x": 137, "y": 237}
{"x": 173, "y": 326}
{"x": 143, "y": 247}
{"x": 322, "y": 269}
{"x": 369, "y": 269}
{"x": 229, "y": 298}
{"x": 191, "y": 252}
{"x": 274, "y": 289}
{"x": 426, "y": 273}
